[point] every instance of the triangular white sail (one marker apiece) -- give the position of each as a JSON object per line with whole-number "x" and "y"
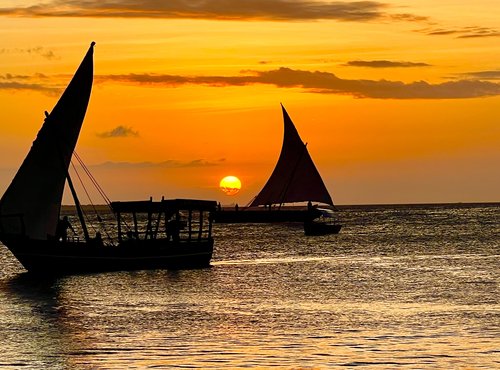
{"x": 31, "y": 204}
{"x": 295, "y": 177}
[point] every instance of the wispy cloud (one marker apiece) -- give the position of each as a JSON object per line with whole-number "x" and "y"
{"x": 11, "y": 77}
{"x": 384, "y": 64}
{"x": 37, "y": 51}
{"x": 409, "y": 17}
{"x": 462, "y": 33}
{"x": 482, "y": 75}
{"x": 119, "y": 131}
{"x": 19, "y": 86}
{"x": 269, "y": 10}
{"x": 37, "y": 82}
{"x": 177, "y": 80}
{"x": 324, "y": 83}
{"x": 170, "y": 163}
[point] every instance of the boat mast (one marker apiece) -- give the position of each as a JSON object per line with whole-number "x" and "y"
{"x": 78, "y": 208}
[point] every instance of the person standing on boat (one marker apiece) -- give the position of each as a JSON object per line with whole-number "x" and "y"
{"x": 98, "y": 238}
{"x": 173, "y": 229}
{"x": 62, "y": 229}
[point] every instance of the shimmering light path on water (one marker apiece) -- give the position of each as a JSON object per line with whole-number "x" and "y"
{"x": 408, "y": 287}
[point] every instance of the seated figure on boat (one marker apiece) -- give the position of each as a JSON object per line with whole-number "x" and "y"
{"x": 62, "y": 229}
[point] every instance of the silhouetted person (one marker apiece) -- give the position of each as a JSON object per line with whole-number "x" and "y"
{"x": 98, "y": 238}
{"x": 173, "y": 229}
{"x": 130, "y": 235}
{"x": 236, "y": 207}
{"x": 62, "y": 229}
{"x": 219, "y": 207}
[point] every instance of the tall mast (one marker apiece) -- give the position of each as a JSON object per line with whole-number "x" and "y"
{"x": 78, "y": 208}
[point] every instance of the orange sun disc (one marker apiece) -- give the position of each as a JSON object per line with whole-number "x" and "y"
{"x": 230, "y": 185}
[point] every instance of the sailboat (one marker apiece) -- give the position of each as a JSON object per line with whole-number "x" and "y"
{"x": 173, "y": 233}
{"x": 295, "y": 179}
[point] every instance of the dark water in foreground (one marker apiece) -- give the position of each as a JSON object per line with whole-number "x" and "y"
{"x": 400, "y": 287}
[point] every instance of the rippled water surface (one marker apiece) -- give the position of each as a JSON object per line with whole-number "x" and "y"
{"x": 399, "y": 287}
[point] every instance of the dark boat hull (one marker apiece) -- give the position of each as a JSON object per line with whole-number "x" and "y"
{"x": 317, "y": 228}
{"x": 51, "y": 258}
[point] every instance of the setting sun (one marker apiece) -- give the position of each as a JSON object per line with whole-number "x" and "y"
{"x": 230, "y": 185}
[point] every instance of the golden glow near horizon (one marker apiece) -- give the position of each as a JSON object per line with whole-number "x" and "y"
{"x": 398, "y": 101}
{"x": 230, "y": 185}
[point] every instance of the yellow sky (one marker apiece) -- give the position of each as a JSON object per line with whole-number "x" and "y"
{"x": 399, "y": 101}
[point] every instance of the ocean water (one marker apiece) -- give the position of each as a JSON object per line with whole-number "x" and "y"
{"x": 400, "y": 287}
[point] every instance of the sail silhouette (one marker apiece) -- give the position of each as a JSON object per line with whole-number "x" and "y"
{"x": 37, "y": 189}
{"x": 295, "y": 177}
{"x": 176, "y": 233}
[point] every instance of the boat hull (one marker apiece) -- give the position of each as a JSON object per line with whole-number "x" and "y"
{"x": 49, "y": 258}
{"x": 316, "y": 228}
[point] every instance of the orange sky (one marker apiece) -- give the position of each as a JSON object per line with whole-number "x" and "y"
{"x": 398, "y": 101}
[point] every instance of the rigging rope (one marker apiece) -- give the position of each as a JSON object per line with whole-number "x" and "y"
{"x": 92, "y": 179}
{"x": 88, "y": 196}
{"x": 99, "y": 189}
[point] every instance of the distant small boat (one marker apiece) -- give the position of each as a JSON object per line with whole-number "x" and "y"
{"x": 323, "y": 222}
{"x": 166, "y": 234}
{"x": 295, "y": 179}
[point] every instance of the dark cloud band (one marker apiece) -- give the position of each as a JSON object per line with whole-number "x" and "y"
{"x": 462, "y": 33}
{"x": 270, "y": 10}
{"x": 469, "y": 86}
{"x": 325, "y": 83}
{"x": 384, "y": 64}
{"x": 171, "y": 163}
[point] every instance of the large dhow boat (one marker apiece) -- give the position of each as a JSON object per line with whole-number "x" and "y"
{"x": 295, "y": 180}
{"x": 174, "y": 233}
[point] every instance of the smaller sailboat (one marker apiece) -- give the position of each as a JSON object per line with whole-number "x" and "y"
{"x": 174, "y": 233}
{"x": 295, "y": 179}
{"x": 322, "y": 222}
